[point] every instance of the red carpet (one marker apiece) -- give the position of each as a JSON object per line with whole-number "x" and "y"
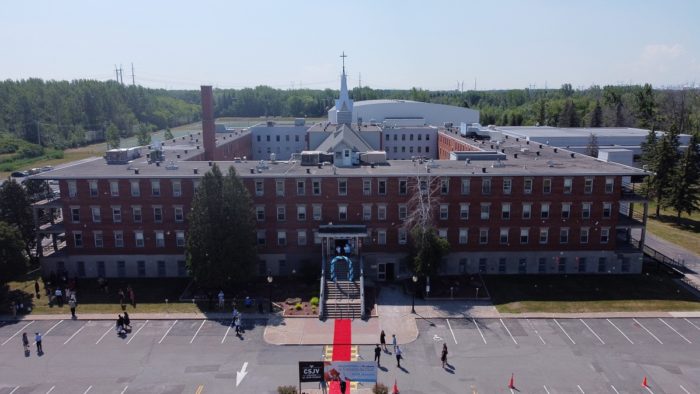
{"x": 342, "y": 338}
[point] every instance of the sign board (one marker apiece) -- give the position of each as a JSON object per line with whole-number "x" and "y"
{"x": 310, "y": 371}
{"x": 353, "y": 371}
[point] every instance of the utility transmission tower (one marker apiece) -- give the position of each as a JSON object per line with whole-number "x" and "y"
{"x": 133, "y": 78}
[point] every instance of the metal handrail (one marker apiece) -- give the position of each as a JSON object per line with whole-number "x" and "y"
{"x": 362, "y": 288}
{"x": 322, "y": 293}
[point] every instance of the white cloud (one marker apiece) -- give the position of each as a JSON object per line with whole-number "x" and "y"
{"x": 660, "y": 52}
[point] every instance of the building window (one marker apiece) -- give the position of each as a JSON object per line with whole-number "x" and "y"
{"x": 503, "y": 238}
{"x": 485, "y": 210}
{"x": 544, "y": 236}
{"x": 75, "y": 214}
{"x": 544, "y": 211}
{"x": 121, "y": 268}
{"x": 502, "y": 265}
{"x": 482, "y": 265}
{"x": 281, "y": 238}
{"x": 96, "y": 214}
{"x": 565, "y": 210}
{"x": 260, "y": 213}
{"x": 118, "y": 239}
{"x": 81, "y": 269}
{"x": 505, "y": 211}
{"x": 403, "y": 236}
{"x": 586, "y": 210}
{"x": 135, "y": 188}
{"x": 444, "y": 186}
{"x": 116, "y": 214}
{"x": 381, "y": 237}
{"x": 114, "y": 188}
{"x": 161, "y": 268}
{"x": 316, "y": 211}
{"x": 342, "y": 187}
{"x": 261, "y": 237}
{"x": 155, "y": 188}
{"x": 72, "y": 189}
{"x": 462, "y": 262}
{"x": 195, "y": 185}
{"x": 527, "y": 186}
{"x": 259, "y": 187}
{"x": 524, "y": 236}
{"x": 181, "y": 268}
{"x": 342, "y": 212}
{"x": 279, "y": 187}
{"x": 568, "y": 185}
{"x": 403, "y": 187}
{"x": 483, "y": 236}
{"x": 444, "y": 211}
{"x": 381, "y": 187}
{"x": 609, "y": 184}
{"x": 588, "y": 185}
{"x": 541, "y": 265}
{"x": 93, "y": 188}
{"x": 281, "y": 213}
{"x": 180, "y": 239}
{"x": 485, "y": 185}
{"x": 527, "y": 210}
{"x": 101, "y": 271}
{"x": 177, "y": 188}
{"x": 316, "y": 187}
{"x": 367, "y": 187}
{"x": 507, "y": 185}
{"x": 301, "y": 237}
{"x": 442, "y": 233}
{"x": 602, "y": 264}
{"x": 607, "y": 210}
{"x": 465, "y": 186}
{"x": 463, "y": 236}
{"x": 301, "y": 212}
{"x": 141, "y": 268}
{"x": 547, "y": 185}
{"x": 381, "y": 212}
{"x": 366, "y": 212}
{"x": 561, "y": 264}
{"x": 403, "y": 211}
{"x": 301, "y": 188}
{"x": 522, "y": 266}
{"x": 584, "y": 235}
{"x": 179, "y": 214}
{"x": 99, "y": 240}
{"x": 464, "y": 211}
{"x": 604, "y": 235}
{"x": 160, "y": 239}
{"x": 625, "y": 265}
{"x": 158, "y": 214}
{"x": 564, "y": 235}
{"x": 138, "y": 237}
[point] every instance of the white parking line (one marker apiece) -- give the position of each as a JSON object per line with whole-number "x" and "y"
{"x": 195, "y": 334}
{"x": 538, "y": 334}
{"x": 76, "y": 333}
{"x": 648, "y": 389}
{"x": 674, "y": 330}
{"x": 623, "y": 334}
{"x": 15, "y": 389}
{"x": 103, "y": 335}
{"x": 591, "y": 330}
{"x": 545, "y": 389}
{"x": 124, "y": 391}
{"x": 136, "y": 333}
{"x": 166, "y": 333}
{"x": 227, "y": 330}
{"x": 51, "y": 389}
{"x": 88, "y": 390}
{"x": 508, "y": 331}
{"x": 650, "y": 333}
{"x": 50, "y": 329}
{"x": 614, "y": 389}
{"x": 691, "y": 323}
{"x": 684, "y": 390}
{"x": 480, "y": 333}
{"x": 564, "y": 331}
{"x": 18, "y": 331}
{"x": 580, "y": 389}
{"x": 453, "y": 333}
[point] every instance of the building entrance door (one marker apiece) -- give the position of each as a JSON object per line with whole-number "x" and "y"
{"x": 385, "y": 271}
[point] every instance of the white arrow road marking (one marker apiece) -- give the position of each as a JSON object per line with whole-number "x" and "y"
{"x": 241, "y": 374}
{"x": 436, "y": 338}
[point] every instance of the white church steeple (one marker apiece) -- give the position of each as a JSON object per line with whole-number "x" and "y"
{"x": 343, "y": 105}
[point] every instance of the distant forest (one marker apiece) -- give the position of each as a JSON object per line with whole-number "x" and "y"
{"x": 62, "y": 114}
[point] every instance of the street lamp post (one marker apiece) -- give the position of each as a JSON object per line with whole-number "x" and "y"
{"x": 269, "y": 289}
{"x": 413, "y": 293}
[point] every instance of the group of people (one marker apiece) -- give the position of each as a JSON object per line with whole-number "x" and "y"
{"x": 130, "y": 294}
{"x": 398, "y": 352}
{"x": 37, "y": 340}
{"x": 123, "y": 324}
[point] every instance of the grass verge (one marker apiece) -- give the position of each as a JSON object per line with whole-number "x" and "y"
{"x": 685, "y": 233}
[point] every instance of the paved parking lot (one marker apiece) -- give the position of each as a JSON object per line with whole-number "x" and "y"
{"x": 205, "y": 356}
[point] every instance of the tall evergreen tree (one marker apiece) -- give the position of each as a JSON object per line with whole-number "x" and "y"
{"x": 683, "y": 193}
{"x": 613, "y": 97}
{"x": 592, "y": 147}
{"x": 13, "y": 261}
{"x": 649, "y": 147}
{"x": 597, "y": 115}
{"x": 665, "y": 159}
{"x": 646, "y": 107}
{"x": 16, "y": 210}
{"x": 221, "y": 240}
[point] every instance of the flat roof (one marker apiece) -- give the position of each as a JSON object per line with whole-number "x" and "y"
{"x": 548, "y": 131}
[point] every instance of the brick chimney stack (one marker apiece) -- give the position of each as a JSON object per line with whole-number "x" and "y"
{"x": 208, "y": 131}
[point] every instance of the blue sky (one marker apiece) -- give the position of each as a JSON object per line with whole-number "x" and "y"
{"x": 430, "y": 44}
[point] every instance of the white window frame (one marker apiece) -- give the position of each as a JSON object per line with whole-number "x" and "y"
{"x": 160, "y": 239}
{"x": 139, "y": 240}
{"x": 584, "y": 235}
{"x": 403, "y": 236}
{"x": 586, "y": 210}
{"x": 301, "y": 238}
{"x": 546, "y": 185}
{"x": 118, "y": 239}
{"x": 98, "y": 239}
{"x": 177, "y": 188}
{"x": 544, "y": 210}
{"x": 565, "y": 210}
{"x": 381, "y": 237}
{"x": 180, "y": 238}
{"x": 444, "y": 211}
{"x": 78, "y": 240}
{"x": 135, "y": 188}
{"x": 343, "y": 212}
{"x": 116, "y": 214}
{"x": 178, "y": 210}
{"x": 93, "y": 188}
{"x": 505, "y": 211}
{"x": 366, "y": 212}
{"x": 366, "y": 186}
{"x": 524, "y": 232}
{"x": 483, "y": 236}
{"x": 607, "y": 210}
{"x": 609, "y": 185}
{"x": 259, "y": 187}
{"x": 281, "y": 213}
{"x": 507, "y": 185}
{"x": 382, "y": 187}
{"x": 281, "y": 238}
{"x": 381, "y": 211}
{"x": 463, "y": 236}
{"x": 465, "y": 186}
{"x": 604, "y": 235}
{"x": 301, "y": 187}
{"x": 486, "y": 186}
{"x": 96, "y": 213}
{"x": 403, "y": 211}
{"x": 464, "y": 211}
{"x": 503, "y": 235}
{"x": 564, "y": 232}
{"x": 317, "y": 211}
{"x": 568, "y": 185}
{"x": 114, "y": 188}
{"x": 485, "y": 210}
{"x": 260, "y": 213}
{"x": 279, "y": 187}
{"x": 301, "y": 213}
{"x": 342, "y": 186}
{"x": 134, "y": 210}
{"x": 442, "y": 233}
{"x": 544, "y": 235}
{"x": 527, "y": 211}
{"x": 316, "y": 187}
{"x": 527, "y": 185}
{"x": 588, "y": 185}
{"x": 156, "y": 209}
{"x": 155, "y": 188}
{"x": 72, "y": 189}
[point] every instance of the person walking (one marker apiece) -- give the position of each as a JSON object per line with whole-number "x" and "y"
{"x": 120, "y": 293}
{"x": 399, "y": 356}
{"x": 72, "y": 304}
{"x": 443, "y": 356}
{"x": 39, "y": 348}
{"x": 382, "y": 340}
{"x": 120, "y": 326}
{"x": 25, "y": 343}
{"x": 59, "y": 296}
{"x": 37, "y": 293}
{"x": 393, "y": 342}
{"x": 13, "y": 309}
{"x": 132, "y": 296}
{"x": 377, "y": 354}
{"x": 127, "y": 322}
{"x": 221, "y": 299}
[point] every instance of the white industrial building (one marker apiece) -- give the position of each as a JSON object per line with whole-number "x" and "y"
{"x": 405, "y": 113}
{"x": 280, "y": 139}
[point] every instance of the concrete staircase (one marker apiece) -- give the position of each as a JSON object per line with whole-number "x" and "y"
{"x": 342, "y": 297}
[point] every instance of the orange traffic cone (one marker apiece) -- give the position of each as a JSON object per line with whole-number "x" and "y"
{"x": 644, "y": 382}
{"x": 511, "y": 383}
{"x": 396, "y": 388}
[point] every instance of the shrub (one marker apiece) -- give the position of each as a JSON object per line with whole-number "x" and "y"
{"x": 314, "y": 301}
{"x": 298, "y": 306}
{"x": 380, "y": 388}
{"x": 286, "y": 390}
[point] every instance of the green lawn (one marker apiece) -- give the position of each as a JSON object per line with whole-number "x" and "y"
{"x": 685, "y": 234}
{"x": 651, "y": 291}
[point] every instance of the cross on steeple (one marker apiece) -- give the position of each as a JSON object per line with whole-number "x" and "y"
{"x": 343, "y": 56}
